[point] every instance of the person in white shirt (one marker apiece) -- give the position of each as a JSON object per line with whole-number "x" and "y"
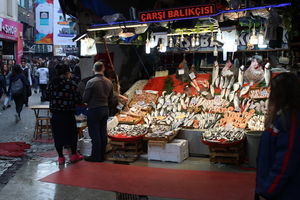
{"x": 43, "y": 75}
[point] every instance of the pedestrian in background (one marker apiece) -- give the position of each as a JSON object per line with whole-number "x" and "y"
{"x": 6, "y": 73}
{"x": 98, "y": 95}
{"x": 35, "y": 78}
{"x": 27, "y": 72}
{"x": 43, "y": 76}
{"x": 278, "y": 163}
{"x": 17, "y": 87}
{"x": 63, "y": 96}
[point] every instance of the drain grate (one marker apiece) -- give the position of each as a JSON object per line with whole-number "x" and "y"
{"x": 124, "y": 196}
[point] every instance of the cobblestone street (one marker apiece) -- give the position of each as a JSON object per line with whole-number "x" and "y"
{"x": 19, "y": 132}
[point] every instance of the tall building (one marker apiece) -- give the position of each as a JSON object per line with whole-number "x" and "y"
{"x": 26, "y": 17}
{"x": 11, "y": 32}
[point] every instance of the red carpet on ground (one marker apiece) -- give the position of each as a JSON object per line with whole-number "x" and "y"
{"x": 159, "y": 182}
{"x": 13, "y": 149}
{"x": 51, "y": 154}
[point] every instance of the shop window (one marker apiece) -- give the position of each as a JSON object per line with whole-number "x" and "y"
{"x": 30, "y": 4}
{"x": 20, "y": 3}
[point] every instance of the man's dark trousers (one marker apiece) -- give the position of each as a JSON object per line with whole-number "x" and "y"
{"x": 97, "y": 125}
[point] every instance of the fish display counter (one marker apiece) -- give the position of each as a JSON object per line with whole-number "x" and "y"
{"x": 219, "y": 107}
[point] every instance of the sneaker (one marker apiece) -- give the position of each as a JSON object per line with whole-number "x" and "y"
{"x": 3, "y": 107}
{"x": 75, "y": 157}
{"x": 61, "y": 160}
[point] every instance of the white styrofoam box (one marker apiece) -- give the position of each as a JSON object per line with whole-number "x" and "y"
{"x": 85, "y": 146}
{"x": 176, "y": 151}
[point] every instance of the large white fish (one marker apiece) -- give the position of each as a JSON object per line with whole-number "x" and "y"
{"x": 221, "y": 82}
{"x": 215, "y": 72}
{"x": 223, "y": 93}
{"x": 217, "y": 82}
{"x": 244, "y": 90}
{"x": 226, "y": 82}
{"x": 241, "y": 75}
{"x": 212, "y": 90}
{"x": 231, "y": 96}
{"x": 236, "y": 86}
{"x": 231, "y": 82}
{"x": 236, "y": 103}
{"x": 267, "y": 74}
{"x": 227, "y": 93}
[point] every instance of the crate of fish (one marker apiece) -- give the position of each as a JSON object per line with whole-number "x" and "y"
{"x": 125, "y": 132}
{"x": 223, "y": 136}
{"x": 161, "y": 133}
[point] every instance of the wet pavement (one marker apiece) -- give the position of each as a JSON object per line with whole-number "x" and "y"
{"x": 19, "y": 177}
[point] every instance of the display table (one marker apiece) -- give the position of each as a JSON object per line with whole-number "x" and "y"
{"x": 196, "y": 147}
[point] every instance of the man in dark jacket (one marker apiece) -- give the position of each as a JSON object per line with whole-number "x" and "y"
{"x": 98, "y": 94}
{"x": 27, "y": 72}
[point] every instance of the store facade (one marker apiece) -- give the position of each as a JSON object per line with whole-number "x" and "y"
{"x": 11, "y": 40}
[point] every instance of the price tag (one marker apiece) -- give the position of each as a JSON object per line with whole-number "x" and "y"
{"x": 120, "y": 106}
{"x": 181, "y": 71}
{"x": 192, "y": 75}
{"x": 151, "y": 91}
{"x": 139, "y": 92}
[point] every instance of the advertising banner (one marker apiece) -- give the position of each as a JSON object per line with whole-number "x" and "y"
{"x": 11, "y": 30}
{"x": 44, "y": 21}
{"x": 64, "y": 28}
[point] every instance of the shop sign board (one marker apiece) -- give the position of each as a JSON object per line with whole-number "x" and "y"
{"x": 177, "y": 13}
{"x": 64, "y": 50}
{"x": 205, "y": 42}
{"x": 44, "y": 22}
{"x": 11, "y": 30}
{"x": 63, "y": 27}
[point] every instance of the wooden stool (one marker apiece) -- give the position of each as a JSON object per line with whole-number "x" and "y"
{"x": 42, "y": 126}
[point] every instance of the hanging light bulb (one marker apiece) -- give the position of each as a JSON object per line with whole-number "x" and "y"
{"x": 261, "y": 40}
{"x": 148, "y": 49}
{"x": 197, "y": 40}
{"x": 182, "y": 38}
{"x": 162, "y": 46}
{"x": 152, "y": 41}
{"x": 253, "y": 38}
{"x": 193, "y": 41}
{"x": 171, "y": 42}
{"x": 177, "y": 41}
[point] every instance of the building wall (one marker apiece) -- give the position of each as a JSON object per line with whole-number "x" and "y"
{"x": 9, "y": 9}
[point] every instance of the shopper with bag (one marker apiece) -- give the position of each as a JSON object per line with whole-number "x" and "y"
{"x": 63, "y": 96}
{"x": 278, "y": 162}
{"x": 98, "y": 95}
{"x": 17, "y": 87}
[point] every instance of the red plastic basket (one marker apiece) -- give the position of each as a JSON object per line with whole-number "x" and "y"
{"x": 123, "y": 138}
{"x": 223, "y": 143}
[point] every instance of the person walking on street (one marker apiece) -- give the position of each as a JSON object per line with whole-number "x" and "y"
{"x": 43, "y": 77}
{"x": 63, "y": 96}
{"x": 3, "y": 89}
{"x": 6, "y": 73}
{"x": 27, "y": 72}
{"x": 98, "y": 94}
{"x": 17, "y": 87}
{"x": 278, "y": 162}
